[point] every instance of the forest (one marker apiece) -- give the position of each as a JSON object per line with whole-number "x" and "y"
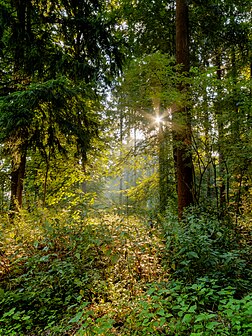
{"x": 125, "y": 167}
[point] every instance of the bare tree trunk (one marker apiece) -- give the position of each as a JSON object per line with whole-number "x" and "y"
{"x": 121, "y": 176}
{"x": 17, "y": 182}
{"x": 181, "y": 117}
{"x": 222, "y": 189}
{"x": 163, "y": 173}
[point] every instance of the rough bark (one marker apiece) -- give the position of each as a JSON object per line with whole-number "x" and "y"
{"x": 181, "y": 117}
{"x": 17, "y": 183}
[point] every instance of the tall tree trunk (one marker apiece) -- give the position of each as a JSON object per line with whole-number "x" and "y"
{"x": 17, "y": 182}
{"x": 21, "y": 31}
{"x": 222, "y": 189}
{"x": 164, "y": 168}
{"x": 163, "y": 155}
{"x": 121, "y": 175}
{"x": 181, "y": 117}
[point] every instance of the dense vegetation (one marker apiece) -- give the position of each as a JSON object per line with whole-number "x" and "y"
{"x": 125, "y": 155}
{"x": 114, "y": 275}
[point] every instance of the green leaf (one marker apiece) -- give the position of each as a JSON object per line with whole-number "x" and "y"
{"x": 193, "y": 255}
{"x": 211, "y": 325}
{"x": 25, "y": 318}
{"x": 204, "y": 317}
{"x": 187, "y": 318}
{"x": 77, "y": 255}
{"x": 10, "y": 312}
{"x": 192, "y": 309}
{"x": 161, "y": 312}
{"x": 76, "y": 318}
{"x": 248, "y": 311}
{"x": 1, "y": 292}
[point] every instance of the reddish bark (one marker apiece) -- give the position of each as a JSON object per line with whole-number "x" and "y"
{"x": 181, "y": 117}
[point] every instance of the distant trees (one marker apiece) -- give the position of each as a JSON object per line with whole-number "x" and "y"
{"x": 209, "y": 116}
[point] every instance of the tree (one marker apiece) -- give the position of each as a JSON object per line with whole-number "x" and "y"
{"x": 181, "y": 115}
{"x": 144, "y": 95}
{"x": 43, "y": 41}
{"x": 217, "y": 29}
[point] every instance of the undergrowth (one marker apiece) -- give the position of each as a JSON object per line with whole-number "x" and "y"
{"x": 115, "y": 275}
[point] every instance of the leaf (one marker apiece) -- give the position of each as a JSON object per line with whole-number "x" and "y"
{"x": 161, "y": 312}
{"x": 192, "y": 254}
{"x": 211, "y": 325}
{"x": 10, "y": 312}
{"x": 162, "y": 321}
{"x": 187, "y": 318}
{"x": 247, "y": 312}
{"x": 168, "y": 315}
{"x": 76, "y": 318}
{"x": 115, "y": 258}
{"x": 77, "y": 255}
{"x": 204, "y": 317}
{"x": 151, "y": 290}
{"x": 192, "y": 309}
{"x": 1, "y": 292}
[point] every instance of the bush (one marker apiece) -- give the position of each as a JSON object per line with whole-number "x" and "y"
{"x": 173, "y": 308}
{"x": 62, "y": 275}
{"x": 50, "y": 268}
{"x": 56, "y": 263}
{"x": 202, "y": 245}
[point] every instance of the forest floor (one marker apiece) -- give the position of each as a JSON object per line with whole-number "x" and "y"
{"x": 113, "y": 274}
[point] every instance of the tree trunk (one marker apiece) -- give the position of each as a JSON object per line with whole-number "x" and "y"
{"x": 181, "y": 117}
{"x": 17, "y": 183}
{"x": 20, "y": 33}
{"x": 222, "y": 168}
{"x": 164, "y": 168}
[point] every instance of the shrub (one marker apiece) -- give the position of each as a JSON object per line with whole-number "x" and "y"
{"x": 173, "y": 308}
{"x": 202, "y": 245}
{"x": 50, "y": 268}
{"x": 57, "y": 262}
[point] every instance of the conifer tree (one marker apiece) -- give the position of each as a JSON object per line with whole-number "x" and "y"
{"x": 52, "y": 55}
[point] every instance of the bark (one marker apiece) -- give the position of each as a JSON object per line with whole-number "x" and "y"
{"x": 222, "y": 168}
{"x": 20, "y": 32}
{"x": 121, "y": 176}
{"x": 164, "y": 168}
{"x": 17, "y": 183}
{"x": 181, "y": 117}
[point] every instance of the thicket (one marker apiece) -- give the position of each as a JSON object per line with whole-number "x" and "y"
{"x": 115, "y": 275}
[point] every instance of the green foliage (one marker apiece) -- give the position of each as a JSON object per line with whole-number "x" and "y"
{"x": 54, "y": 263}
{"x": 148, "y": 80}
{"x": 62, "y": 275}
{"x": 50, "y": 269}
{"x": 43, "y": 110}
{"x": 45, "y": 39}
{"x": 203, "y": 245}
{"x": 151, "y": 25}
{"x": 173, "y": 308}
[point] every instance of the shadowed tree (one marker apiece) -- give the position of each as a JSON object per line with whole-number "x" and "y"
{"x": 42, "y": 41}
